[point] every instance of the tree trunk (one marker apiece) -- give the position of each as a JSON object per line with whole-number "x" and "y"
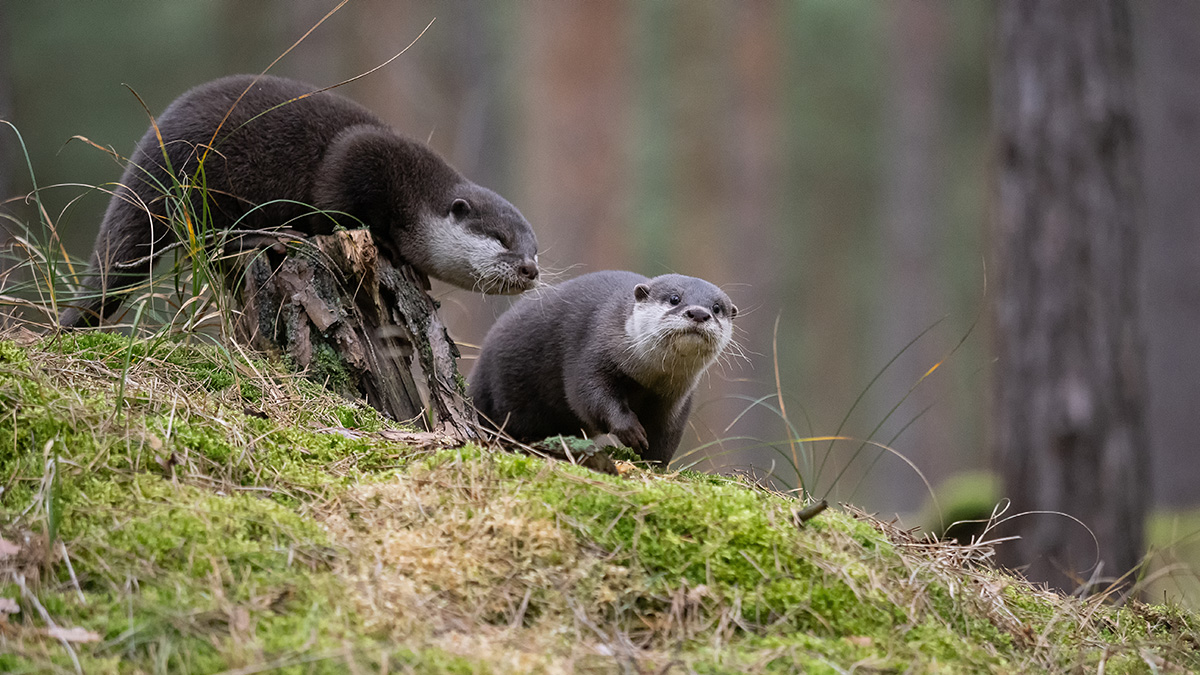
{"x": 351, "y": 319}
{"x": 1068, "y": 418}
{"x": 8, "y": 146}
{"x": 1170, "y": 98}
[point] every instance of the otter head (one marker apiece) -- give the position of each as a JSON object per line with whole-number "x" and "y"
{"x": 475, "y": 239}
{"x": 677, "y": 326}
{"x": 425, "y": 213}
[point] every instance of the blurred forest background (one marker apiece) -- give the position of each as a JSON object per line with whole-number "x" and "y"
{"x": 828, "y": 163}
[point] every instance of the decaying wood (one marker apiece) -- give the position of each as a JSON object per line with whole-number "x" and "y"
{"x": 334, "y": 297}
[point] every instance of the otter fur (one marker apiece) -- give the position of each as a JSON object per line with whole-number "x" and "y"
{"x": 269, "y": 152}
{"x": 605, "y": 353}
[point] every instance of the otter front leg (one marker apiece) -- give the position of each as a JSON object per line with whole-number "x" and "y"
{"x": 598, "y": 403}
{"x": 666, "y": 430}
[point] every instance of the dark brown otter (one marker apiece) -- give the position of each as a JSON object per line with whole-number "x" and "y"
{"x": 261, "y": 152}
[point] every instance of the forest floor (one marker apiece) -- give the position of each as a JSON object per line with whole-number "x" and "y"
{"x": 172, "y": 508}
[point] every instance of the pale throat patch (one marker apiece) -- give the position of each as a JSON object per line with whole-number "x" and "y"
{"x": 452, "y": 251}
{"x": 645, "y": 319}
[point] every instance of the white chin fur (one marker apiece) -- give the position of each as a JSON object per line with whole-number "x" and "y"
{"x": 466, "y": 260}
{"x": 656, "y": 336}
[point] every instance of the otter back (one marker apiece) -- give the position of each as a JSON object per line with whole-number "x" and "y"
{"x": 260, "y": 152}
{"x": 608, "y": 352}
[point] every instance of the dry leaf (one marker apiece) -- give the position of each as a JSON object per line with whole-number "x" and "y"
{"x": 8, "y": 549}
{"x": 239, "y": 620}
{"x": 21, "y": 335}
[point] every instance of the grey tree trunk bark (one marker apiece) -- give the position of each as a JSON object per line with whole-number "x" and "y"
{"x": 1068, "y": 414}
{"x": 1169, "y": 71}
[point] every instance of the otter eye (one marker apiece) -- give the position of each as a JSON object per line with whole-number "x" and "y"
{"x": 674, "y": 299}
{"x": 717, "y": 309}
{"x": 460, "y": 208}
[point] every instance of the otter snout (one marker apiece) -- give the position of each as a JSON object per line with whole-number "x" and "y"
{"x": 528, "y": 270}
{"x": 697, "y": 314}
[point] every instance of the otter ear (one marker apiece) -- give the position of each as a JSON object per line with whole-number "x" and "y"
{"x": 641, "y": 292}
{"x": 732, "y": 310}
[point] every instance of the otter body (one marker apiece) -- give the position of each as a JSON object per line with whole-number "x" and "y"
{"x": 273, "y": 155}
{"x": 607, "y": 352}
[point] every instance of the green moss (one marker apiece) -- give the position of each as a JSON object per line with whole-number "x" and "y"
{"x": 201, "y": 540}
{"x": 328, "y": 370}
{"x": 11, "y": 354}
{"x": 212, "y": 376}
{"x": 203, "y": 562}
{"x": 250, "y": 391}
{"x": 204, "y": 364}
{"x": 1036, "y": 609}
{"x": 938, "y": 643}
{"x": 360, "y": 417}
{"x": 34, "y": 428}
{"x": 186, "y": 529}
{"x": 738, "y": 542}
{"x": 623, "y": 453}
{"x": 432, "y": 661}
{"x": 83, "y": 430}
{"x": 1167, "y": 621}
{"x": 93, "y": 345}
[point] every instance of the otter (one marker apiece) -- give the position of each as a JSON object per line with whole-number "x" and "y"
{"x": 271, "y": 153}
{"x": 605, "y": 353}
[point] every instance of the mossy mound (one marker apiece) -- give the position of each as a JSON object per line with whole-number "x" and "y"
{"x": 210, "y": 514}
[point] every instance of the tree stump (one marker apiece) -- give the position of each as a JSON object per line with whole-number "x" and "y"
{"x": 355, "y": 320}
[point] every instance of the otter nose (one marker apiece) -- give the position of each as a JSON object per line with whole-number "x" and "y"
{"x": 697, "y": 314}
{"x": 528, "y": 269}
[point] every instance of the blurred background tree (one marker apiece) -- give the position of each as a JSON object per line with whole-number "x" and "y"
{"x": 6, "y": 110}
{"x": 1069, "y": 425}
{"x": 1167, "y": 56}
{"x": 827, "y": 162}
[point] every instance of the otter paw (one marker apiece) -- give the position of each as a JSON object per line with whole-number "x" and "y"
{"x": 633, "y": 437}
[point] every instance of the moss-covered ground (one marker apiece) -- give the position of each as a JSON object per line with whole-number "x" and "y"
{"x": 167, "y": 508}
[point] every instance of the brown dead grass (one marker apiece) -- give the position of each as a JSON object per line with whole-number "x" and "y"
{"x": 443, "y": 556}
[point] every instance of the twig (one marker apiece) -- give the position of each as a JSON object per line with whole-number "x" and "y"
{"x": 71, "y": 571}
{"x": 811, "y": 511}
